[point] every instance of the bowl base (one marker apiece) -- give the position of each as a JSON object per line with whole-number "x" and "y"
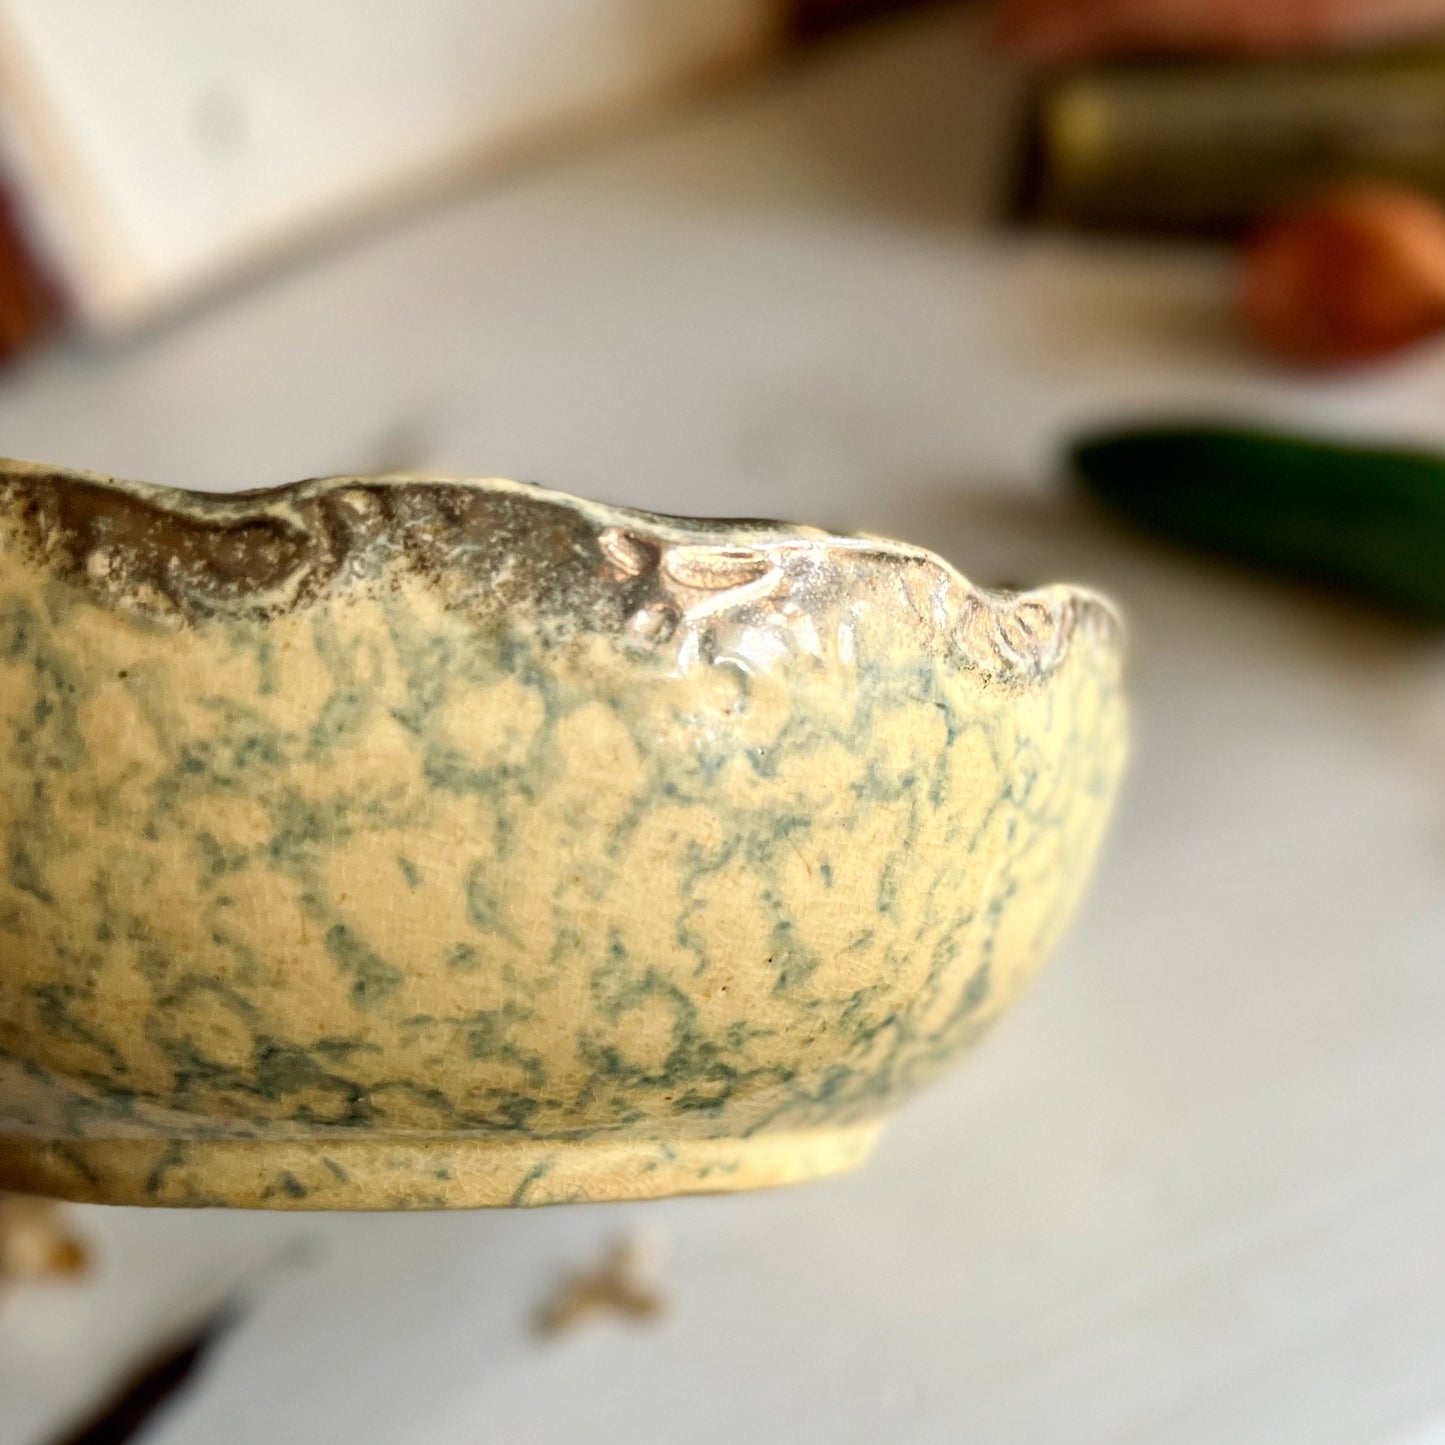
{"x": 419, "y": 1173}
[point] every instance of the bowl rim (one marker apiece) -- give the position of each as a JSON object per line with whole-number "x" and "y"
{"x": 1056, "y": 611}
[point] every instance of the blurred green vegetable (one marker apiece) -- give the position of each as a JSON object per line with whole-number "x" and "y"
{"x": 1371, "y": 521}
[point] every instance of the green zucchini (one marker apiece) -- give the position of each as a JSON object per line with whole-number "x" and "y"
{"x": 1370, "y": 521}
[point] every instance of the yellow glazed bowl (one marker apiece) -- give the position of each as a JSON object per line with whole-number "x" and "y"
{"x": 405, "y": 843}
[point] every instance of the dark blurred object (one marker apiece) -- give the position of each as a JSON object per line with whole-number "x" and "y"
{"x": 1354, "y": 276}
{"x": 1074, "y": 30}
{"x": 1367, "y": 521}
{"x": 136, "y": 1404}
{"x": 817, "y": 17}
{"x": 1212, "y": 147}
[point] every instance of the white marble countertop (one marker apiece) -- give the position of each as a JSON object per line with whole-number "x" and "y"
{"x": 1192, "y": 1190}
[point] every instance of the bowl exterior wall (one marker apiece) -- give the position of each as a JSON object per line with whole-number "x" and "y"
{"x": 383, "y": 893}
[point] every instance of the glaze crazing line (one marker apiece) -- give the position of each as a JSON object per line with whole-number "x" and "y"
{"x": 407, "y": 843}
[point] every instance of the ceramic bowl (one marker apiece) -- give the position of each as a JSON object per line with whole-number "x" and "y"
{"x": 409, "y": 843}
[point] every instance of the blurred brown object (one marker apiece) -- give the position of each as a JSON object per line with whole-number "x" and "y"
{"x": 1055, "y": 31}
{"x": 618, "y": 1286}
{"x": 34, "y": 1242}
{"x": 1213, "y": 146}
{"x": 30, "y": 306}
{"x": 1352, "y": 276}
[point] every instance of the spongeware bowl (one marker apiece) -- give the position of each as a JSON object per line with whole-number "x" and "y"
{"x": 409, "y": 843}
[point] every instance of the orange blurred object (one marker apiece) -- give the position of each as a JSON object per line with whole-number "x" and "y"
{"x": 1353, "y": 276}
{"x": 34, "y": 1241}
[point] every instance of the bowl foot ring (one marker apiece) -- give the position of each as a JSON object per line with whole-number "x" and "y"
{"x": 420, "y": 1173}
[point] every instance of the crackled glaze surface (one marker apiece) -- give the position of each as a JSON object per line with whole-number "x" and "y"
{"x": 403, "y": 843}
